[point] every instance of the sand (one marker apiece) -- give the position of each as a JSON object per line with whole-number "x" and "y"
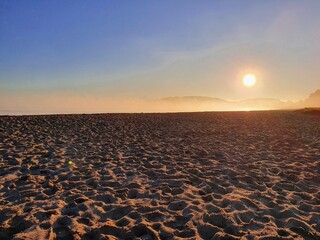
{"x": 240, "y": 175}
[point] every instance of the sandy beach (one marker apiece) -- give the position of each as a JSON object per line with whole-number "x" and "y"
{"x": 231, "y": 175}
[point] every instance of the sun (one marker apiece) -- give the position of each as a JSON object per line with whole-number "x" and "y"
{"x": 249, "y": 80}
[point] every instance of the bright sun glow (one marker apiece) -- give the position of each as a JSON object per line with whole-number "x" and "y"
{"x": 249, "y": 80}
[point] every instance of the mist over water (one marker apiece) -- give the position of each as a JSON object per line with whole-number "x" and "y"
{"x": 86, "y": 103}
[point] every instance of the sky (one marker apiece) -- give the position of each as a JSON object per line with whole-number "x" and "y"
{"x": 87, "y": 56}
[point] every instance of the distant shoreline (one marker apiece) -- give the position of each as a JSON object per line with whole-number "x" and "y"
{"x": 314, "y": 111}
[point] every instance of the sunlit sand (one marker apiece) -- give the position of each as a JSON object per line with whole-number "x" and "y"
{"x": 236, "y": 175}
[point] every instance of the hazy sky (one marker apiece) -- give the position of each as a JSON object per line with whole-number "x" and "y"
{"x": 153, "y": 49}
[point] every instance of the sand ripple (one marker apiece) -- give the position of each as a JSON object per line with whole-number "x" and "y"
{"x": 239, "y": 176}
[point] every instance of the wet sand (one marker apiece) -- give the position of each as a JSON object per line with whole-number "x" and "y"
{"x": 237, "y": 175}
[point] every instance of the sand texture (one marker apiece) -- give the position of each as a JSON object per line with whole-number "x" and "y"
{"x": 240, "y": 175}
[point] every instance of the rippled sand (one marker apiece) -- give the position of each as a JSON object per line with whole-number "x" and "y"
{"x": 246, "y": 175}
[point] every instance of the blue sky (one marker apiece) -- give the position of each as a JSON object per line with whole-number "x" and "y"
{"x": 159, "y": 48}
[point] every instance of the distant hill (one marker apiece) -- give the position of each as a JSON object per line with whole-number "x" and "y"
{"x": 211, "y": 103}
{"x": 193, "y": 99}
{"x": 313, "y": 100}
{"x": 264, "y": 103}
{"x": 193, "y": 103}
{"x": 65, "y": 103}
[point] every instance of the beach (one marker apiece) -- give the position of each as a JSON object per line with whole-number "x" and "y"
{"x": 210, "y": 175}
